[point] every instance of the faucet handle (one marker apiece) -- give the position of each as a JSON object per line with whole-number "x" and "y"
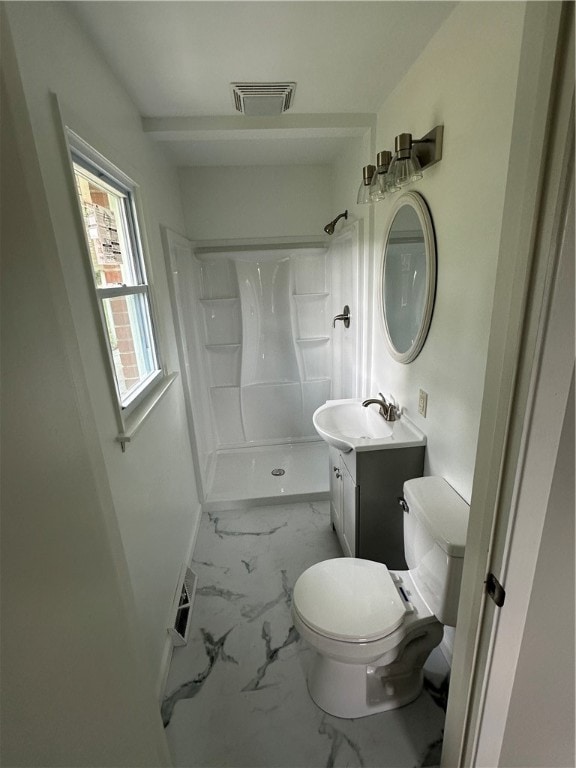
{"x": 393, "y": 408}
{"x": 345, "y": 317}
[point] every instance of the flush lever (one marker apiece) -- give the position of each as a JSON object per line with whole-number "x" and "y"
{"x": 345, "y": 317}
{"x": 403, "y": 505}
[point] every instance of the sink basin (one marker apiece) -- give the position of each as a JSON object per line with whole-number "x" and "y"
{"x": 349, "y": 426}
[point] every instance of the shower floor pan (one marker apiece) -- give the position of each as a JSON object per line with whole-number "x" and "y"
{"x": 246, "y": 477}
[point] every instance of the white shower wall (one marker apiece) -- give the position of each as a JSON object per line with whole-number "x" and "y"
{"x": 265, "y": 342}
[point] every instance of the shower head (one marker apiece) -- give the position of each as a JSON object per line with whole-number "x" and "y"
{"x": 329, "y": 228}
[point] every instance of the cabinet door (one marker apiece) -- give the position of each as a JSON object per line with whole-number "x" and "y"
{"x": 349, "y": 512}
{"x": 380, "y": 476}
{"x": 335, "y": 490}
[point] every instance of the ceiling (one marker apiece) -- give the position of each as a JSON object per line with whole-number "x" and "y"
{"x": 177, "y": 60}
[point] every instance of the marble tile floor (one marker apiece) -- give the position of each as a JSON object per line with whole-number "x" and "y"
{"x": 236, "y": 694}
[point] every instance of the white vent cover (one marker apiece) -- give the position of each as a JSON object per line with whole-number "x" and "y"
{"x": 263, "y": 99}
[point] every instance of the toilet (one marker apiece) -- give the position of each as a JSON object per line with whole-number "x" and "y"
{"x": 371, "y": 629}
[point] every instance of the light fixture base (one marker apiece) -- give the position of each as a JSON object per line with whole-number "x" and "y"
{"x": 428, "y": 149}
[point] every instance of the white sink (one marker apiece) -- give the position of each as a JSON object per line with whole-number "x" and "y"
{"x": 349, "y": 426}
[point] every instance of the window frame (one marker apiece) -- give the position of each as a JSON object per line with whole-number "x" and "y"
{"x": 108, "y": 175}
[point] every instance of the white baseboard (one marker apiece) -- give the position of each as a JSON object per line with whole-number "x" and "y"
{"x": 166, "y": 657}
{"x": 164, "y": 668}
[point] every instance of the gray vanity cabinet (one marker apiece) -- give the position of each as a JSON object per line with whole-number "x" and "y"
{"x": 364, "y": 509}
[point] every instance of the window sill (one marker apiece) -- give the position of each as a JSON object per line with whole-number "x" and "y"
{"x": 141, "y": 413}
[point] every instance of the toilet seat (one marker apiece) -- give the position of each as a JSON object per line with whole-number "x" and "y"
{"x": 349, "y": 599}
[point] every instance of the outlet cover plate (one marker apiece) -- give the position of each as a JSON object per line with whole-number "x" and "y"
{"x": 422, "y": 403}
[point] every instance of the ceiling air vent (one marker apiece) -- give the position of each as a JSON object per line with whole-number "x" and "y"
{"x": 263, "y": 99}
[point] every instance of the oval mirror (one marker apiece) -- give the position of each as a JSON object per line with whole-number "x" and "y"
{"x": 408, "y": 280}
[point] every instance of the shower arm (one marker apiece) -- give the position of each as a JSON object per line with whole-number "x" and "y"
{"x": 329, "y": 228}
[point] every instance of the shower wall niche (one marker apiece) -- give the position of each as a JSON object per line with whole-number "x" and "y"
{"x": 265, "y": 342}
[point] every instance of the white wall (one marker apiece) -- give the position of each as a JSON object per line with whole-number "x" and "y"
{"x": 152, "y": 484}
{"x": 74, "y": 692}
{"x": 465, "y": 79}
{"x": 250, "y": 202}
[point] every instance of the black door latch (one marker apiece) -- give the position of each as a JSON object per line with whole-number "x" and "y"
{"x": 495, "y": 590}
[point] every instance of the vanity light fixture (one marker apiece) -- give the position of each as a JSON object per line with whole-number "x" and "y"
{"x": 405, "y": 167}
{"x": 411, "y": 157}
{"x": 364, "y": 190}
{"x": 380, "y": 180}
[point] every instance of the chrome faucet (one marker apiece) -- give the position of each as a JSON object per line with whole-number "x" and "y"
{"x": 389, "y": 411}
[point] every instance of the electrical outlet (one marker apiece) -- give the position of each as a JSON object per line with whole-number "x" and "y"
{"x": 422, "y": 403}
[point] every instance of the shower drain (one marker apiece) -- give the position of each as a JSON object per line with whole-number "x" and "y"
{"x": 278, "y": 472}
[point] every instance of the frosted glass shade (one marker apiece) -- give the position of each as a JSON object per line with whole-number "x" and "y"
{"x": 364, "y": 190}
{"x": 379, "y": 186}
{"x": 363, "y": 194}
{"x": 405, "y": 169}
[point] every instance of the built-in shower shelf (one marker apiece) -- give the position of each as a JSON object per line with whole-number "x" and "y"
{"x": 310, "y": 320}
{"x": 314, "y": 340}
{"x": 219, "y": 299}
{"x": 282, "y": 383}
{"x": 222, "y": 346}
{"x": 222, "y": 321}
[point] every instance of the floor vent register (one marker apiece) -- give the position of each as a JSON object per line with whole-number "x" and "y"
{"x": 182, "y": 607}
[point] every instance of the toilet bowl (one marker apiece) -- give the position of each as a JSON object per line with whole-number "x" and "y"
{"x": 370, "y": 629}
{"x": 370, "y": 660}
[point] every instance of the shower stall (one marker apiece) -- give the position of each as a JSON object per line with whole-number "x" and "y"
{"x": 258, "y": 352}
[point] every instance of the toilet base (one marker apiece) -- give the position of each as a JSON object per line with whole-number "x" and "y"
{"x": 358, "y": 690}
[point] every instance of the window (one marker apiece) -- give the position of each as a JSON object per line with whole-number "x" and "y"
{"x": 109, "y": 216}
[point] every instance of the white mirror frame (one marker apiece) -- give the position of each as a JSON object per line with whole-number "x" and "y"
{"x": 418, "y": 203}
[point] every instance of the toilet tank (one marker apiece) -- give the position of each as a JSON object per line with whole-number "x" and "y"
{"x": 435, "y": 526}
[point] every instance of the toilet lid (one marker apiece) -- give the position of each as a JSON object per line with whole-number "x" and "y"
{"x": 349, "y": 599}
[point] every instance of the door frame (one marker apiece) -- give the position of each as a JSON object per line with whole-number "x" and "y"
{"x": 172, "y": 240}
{"x": 522, "y": 363}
